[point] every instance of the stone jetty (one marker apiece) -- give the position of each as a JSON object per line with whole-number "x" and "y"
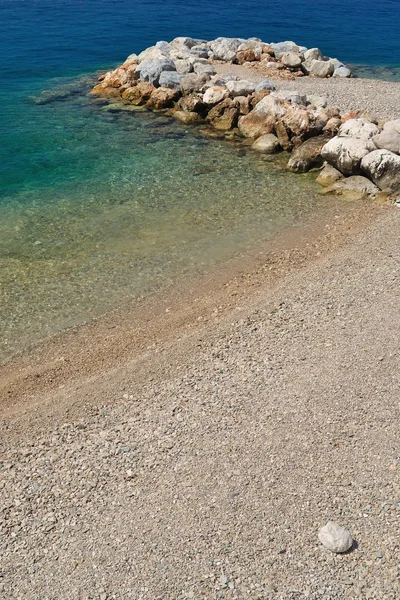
{"x": 359, "y": 156}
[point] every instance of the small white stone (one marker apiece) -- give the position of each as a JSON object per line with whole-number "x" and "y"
{"x": 335, "y": 538}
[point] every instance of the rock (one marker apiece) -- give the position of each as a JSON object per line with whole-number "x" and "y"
{"x": 328, "y": 176}
{"x": 243, "y": 56}
{"x": 283, "y": 136}
{"x": 185, "y": 41}
{"x": 284, "y": 47}
{"x": 320, "y": 68}
{"x": 307, "y": 156}
{"x": 170, "y": 79}
{"x": 139, "y": 94}
{"x": 383, "y": 167}
{"x": 159, "y": 51}
{"x": 243, "y": 104}
{"x": 290, "y": 59}
{"x": 193, "y": 83}
{"x": 392, "y": 125}
{"x": 202, "y": 69}
{"x": 388, "y": 139}
{"x": 317, "y": 101}
{"x": 225, "y": 48}
{"x": 332, "y": 125}
{"x": 125, "y": 75}
{"x": 214, "y": 95}
{"x": 189, "y": 118}
{"x": 266, "y": 144}
{"x": 183, "y": 66}
{"x": 342, "y": 71}
{"x": 162, "y": 98}
{"x": 353, "y": 188}
{"x": 253, "y": 125}
{"x": 271, "y": 106}
{"x": 105, "y": 90}
{"x": 292, "y": 96}
{"x": 200, "y": 51}
{"x": 224, "y": 116}
{"x": 299, "y": 121}
{"x": 265, "y": 85}
{"x": 240, "y": 88}
{"x": 257, "y": 96}
{"x": 150, "y": 70}
{"x": 193, "y": 103}
{"x": 313, "y": 54}
{"x": 335, "y": 538}
{"x": 360, "y": 129}
{"x": 345, "y": 154}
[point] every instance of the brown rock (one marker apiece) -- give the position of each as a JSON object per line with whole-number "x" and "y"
{"x": 257, "y": 96}
{"x": 283, "y": 136}
{"x": 328, "y": 176}
{"x": 253, "y": 125}
{"x": 123, "y": 75}
{"x": 189, "y": 118}
{"x": 224, "y": 116}
{"x": 193, "y": 103}
{"x": 141, "y": 93}
{"x": 129, "y": 93}
{"x": 104, "y": 90}
{"x": 243, "y": 56}
{"x": 332, "y": 125}
{"x": 162, "y": 98}
{"x": 307, "y": 156}
{"x": 298, "y": 120}
{"x": 268, "y": 50}
{"x": 243, "y": 104}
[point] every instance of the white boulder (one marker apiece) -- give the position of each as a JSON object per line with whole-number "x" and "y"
{"x": 345, "y": 154}
{"x": 388, "y": 139}
{"x": 360, "y": 129}
{"x": 240, "y": 88}
{"x": 335, "y": 538}
{"x": 383, "y": 167}
{"x": 215, "y": 94}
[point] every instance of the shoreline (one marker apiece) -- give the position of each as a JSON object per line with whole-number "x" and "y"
{"x": 104, "y": 341}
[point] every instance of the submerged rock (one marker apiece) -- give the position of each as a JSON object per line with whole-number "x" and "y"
{"x": 267, "y": 144}
{"x": 328, "y": 176}
{"x": 355, "y": 187}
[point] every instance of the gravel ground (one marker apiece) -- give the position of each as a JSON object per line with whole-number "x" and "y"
{"x": 379, "y": 98}
{"x": 205, "y": 467}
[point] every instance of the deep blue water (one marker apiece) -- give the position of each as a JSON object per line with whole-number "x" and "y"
{"x": 93, "y": 202}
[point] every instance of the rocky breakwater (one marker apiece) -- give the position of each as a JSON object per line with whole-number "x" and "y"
{"x": 180, "y": 78}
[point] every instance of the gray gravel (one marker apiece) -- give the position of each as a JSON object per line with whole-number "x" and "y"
{"x": 210, "y": 476}
{"x": 380, "y": 98}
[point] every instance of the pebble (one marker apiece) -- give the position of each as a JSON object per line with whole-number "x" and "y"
{"x": 335, "y": 537}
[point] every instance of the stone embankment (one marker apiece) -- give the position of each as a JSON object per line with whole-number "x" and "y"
{"x": 359, "y": 156}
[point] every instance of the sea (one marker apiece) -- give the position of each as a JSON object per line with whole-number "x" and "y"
{"x": 100, "y": 207}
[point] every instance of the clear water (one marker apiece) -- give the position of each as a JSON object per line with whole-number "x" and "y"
{"x": 96, "y": 205}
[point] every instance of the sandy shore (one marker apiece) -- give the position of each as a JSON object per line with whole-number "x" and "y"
{"x": 200, "y": 456}
{"x": 379, "y": 98}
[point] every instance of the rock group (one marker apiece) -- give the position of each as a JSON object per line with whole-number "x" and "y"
{"x": 180, "y": 78}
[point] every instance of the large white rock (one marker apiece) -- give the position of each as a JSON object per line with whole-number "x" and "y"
{"x": 313, "y": 54}
{"x": 388, "y": 139}
{"x": 282, "y": 47}
{"x": 321, "y": 68}
{"x": 185, "y": 41}
{"x": 358, "y": 128}
{"x": 335, "y": 538}
{"x": 160, "y": 50}
{"x": 225, "y": 48}
{"x": 392, "y": 125}
{"x": 291, "y": 59}
{"x": 150, "y": 70}
{"x": 215, "y": 94}
{"x": 383, "y": 167}
{"x": 345, "y": 154}
{"x": 240, "y": 88}
{"x": 270, "y": 106}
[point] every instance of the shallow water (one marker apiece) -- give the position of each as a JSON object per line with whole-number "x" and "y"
{"x": 97, "y": 205}
{"x": 156, "y": 201}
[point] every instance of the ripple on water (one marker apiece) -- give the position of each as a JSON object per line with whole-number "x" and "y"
{"x": 117, "y": 204}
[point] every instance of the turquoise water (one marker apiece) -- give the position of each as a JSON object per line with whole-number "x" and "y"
{"x": 97, "y": 205}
